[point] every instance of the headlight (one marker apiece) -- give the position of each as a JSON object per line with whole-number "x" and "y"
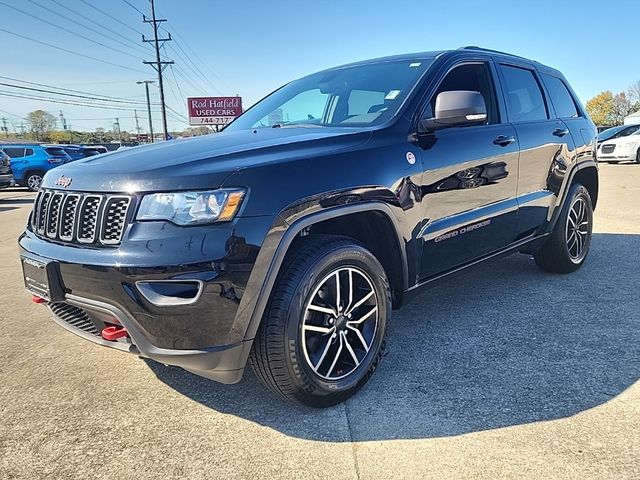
{"x": 191, "y": 208}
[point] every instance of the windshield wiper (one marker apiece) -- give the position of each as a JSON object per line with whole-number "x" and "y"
{"x": 293, "y": 125}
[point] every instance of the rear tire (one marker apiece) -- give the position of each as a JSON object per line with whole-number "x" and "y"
{"x": 315, "y": 346}
{"x": 568, "y": 245}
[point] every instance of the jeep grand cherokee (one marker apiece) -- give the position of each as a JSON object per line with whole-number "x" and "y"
{"x": 286, "y": 240}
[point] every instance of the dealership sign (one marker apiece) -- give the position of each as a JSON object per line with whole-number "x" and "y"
{"x": 213, "y": 110}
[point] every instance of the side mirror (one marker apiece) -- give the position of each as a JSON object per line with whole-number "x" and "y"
{"x": 456, "y": 108}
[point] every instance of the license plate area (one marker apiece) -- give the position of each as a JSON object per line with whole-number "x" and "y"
{"x": 42, "y": 277}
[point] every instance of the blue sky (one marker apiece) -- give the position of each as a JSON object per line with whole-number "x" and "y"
{"x": 252, "y": 47}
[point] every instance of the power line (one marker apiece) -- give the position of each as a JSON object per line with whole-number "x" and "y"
{"x": 98, "y": 24}
{"x": 107, "y": 97}
{"x": 195, "y": 54}
{"x": 133, "y": 6}
{"x": 111, "y": 17}
{"x": 70, "y": 51}
{"x": 69, "y": 31}
{"x": 193, "y": 67}
{"x": 12, "y": 114}
{"x": 188, "y": 80}
{"x": 128, "y": 102}
{"x": 94, "y": 32}
{"x": 64, "y": 101}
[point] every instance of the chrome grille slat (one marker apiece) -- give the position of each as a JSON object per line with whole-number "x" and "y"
{"x": 88, "y": 218}
{"x": 115, "y": 214}
{"x": 68, "y": 217}
{"x": 53, "y": 215}
{"x": 85, "y": 218}
{"x": 42, "y": 212}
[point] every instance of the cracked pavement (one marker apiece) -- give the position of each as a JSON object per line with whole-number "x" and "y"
{"x": 505, "y": 372}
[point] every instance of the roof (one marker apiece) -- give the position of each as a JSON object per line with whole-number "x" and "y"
{"x": 436, "y": 53}
{"x": 633, "y": 115}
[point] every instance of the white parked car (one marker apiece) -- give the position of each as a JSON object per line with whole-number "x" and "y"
{"x": 619, "y": 144}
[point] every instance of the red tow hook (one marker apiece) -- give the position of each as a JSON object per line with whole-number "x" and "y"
{"x": 114, "y": 332}
{"x": 37, "y": 299}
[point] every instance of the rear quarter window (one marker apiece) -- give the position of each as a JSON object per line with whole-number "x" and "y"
{"x": 55, "y": 152}
{"x": 561, "y": 98}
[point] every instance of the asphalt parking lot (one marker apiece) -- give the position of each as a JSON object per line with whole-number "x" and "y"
{"x": 506, "y": 372}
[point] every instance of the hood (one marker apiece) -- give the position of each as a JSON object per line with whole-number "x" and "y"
{"x": 201, "y": 162}
{"x": 628, "y": 140}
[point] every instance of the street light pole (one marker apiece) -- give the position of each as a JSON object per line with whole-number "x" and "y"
{"x": 146, "y": 88}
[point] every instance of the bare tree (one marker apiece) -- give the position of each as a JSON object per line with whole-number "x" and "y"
{"x": 633, "y": 92}
{"x": 41, "y": 123}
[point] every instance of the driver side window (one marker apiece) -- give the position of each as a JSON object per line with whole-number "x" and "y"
{"x": 475, "y": 77}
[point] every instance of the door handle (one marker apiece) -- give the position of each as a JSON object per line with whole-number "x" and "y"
{"x": 503, "y": 140}
{"x": 560, "y": 132}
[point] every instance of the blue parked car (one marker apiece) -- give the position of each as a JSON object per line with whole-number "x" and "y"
{"x": 30, "y": 162}
{"x": 76, "y": 152}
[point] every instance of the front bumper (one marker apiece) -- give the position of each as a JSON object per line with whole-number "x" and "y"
{"x": 86, "y": 318}
{"x": 203, "y": 336}
{"x": 620, "y": 153}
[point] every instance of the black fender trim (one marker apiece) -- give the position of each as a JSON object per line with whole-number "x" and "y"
{"x": 275, "y": 247}
{"x": 562, "y": 195}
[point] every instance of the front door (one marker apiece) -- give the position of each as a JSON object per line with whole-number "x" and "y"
{"x": 469, "y": 182}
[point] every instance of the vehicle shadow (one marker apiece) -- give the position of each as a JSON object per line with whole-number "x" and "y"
{"x": 503, "y": 345}
{"x": 17, "y": 201}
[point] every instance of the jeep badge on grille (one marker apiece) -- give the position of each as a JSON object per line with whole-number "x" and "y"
{"x": 63, "y": 181}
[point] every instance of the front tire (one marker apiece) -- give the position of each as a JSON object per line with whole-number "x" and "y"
{"x": 638, "y": 156}
{"x": 568, "y": 245}
{"x": 324, "y": 330}
{"x": 33, "y": 181}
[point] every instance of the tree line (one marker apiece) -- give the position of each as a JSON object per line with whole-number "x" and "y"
{"x": 42, "y": 126}
{"x": 607, "y": 109}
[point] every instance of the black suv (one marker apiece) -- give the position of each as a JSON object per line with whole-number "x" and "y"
{"x": 287, "y": 239}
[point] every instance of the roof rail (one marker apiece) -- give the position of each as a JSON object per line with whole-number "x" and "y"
{"x": 475, "y": 47}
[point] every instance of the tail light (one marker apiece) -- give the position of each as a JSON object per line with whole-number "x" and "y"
{"x": 55, "y": 160}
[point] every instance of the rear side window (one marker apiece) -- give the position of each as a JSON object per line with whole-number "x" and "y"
{"x": 560, "y": 97}
{"x": 14, "y": 152}
{"x": 525, "y": 102}
{"x": 55, "y": 152}
{"x": 28, "y": 152}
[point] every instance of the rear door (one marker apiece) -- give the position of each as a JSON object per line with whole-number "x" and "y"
{"x": 546, "y": 144}
{"x": 17, "y": 161}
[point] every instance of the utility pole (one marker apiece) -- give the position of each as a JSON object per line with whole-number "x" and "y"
{"x": 146, "y": 88}
{"x": 21, "y": 126}
{"x": 158, "y": 65}
{"x": 138, "y": 129}
{"x": 116, "y": 125}
{"x": 63, "y": 123}
{"x": 4, "y": 127}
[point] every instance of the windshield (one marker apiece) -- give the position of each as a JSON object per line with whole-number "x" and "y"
{"x": 610, "y": 132}
{"x": 362, "y": 95}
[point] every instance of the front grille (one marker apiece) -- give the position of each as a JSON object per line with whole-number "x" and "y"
{"x": 75, "y": 317}
{"x": 608, "y": 148}
{"x": 82, "y": 218}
